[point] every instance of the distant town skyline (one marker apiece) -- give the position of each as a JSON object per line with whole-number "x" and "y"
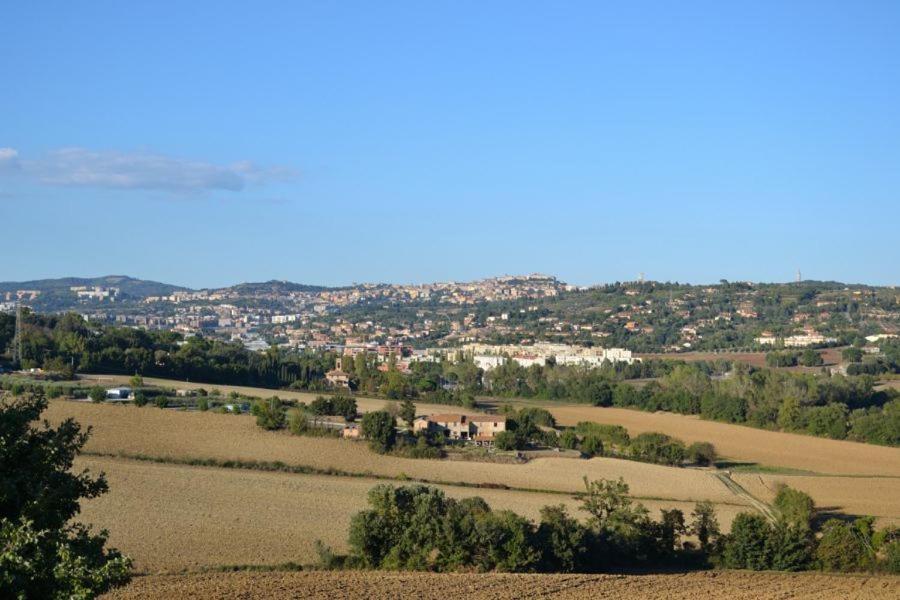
{"x": 409, "y": 142}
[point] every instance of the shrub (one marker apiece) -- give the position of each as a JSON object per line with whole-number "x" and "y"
{"x": 701, "y": 453}
{"x": 591, "y": 445}
{"x": 657, "y": 448}
{"x": 97, "y": 394}
{"x": 140, "y": 398}
{"x": 568, "y": 440}
{"x": 269, "y": 414}
{"x": 203, "y": 404}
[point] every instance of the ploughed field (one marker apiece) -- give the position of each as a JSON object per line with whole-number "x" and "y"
{"x": 731, "y": 585}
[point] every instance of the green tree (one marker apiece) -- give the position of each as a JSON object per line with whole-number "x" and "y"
{"x": 43, "y": 554}
{"x": 701, "y": 453}
{"x": 380, "y": 429}
{"x": 563, "y": 539}
{"x": 136, "y": 381}
{"x": 270, "y": 414}
{"x": 704, "y": 524}
{"x": 745, "y": 546}
{"x": 97, "y": 394}
{"x": 408, "y": 412}
{"x": 845, "y": 546}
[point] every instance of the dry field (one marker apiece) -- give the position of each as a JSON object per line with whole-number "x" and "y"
{"x": 185, "y": 435}
{"x": 876, "y": 496}
{"x": 772, "y": 448}
{"x": 733, "y": 585}
{"x": 171, "y": 518}
{"x": 735, "y": 442}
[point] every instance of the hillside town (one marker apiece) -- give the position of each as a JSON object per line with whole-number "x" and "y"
{"x": 521, "y": 316}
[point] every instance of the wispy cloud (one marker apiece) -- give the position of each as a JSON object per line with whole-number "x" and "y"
{"x": 80, "y": 167}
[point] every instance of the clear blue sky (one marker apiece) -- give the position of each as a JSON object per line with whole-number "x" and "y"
{"x": 208, "y": 143}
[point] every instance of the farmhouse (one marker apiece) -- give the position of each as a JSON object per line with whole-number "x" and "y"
{"x": 480, "y": 429}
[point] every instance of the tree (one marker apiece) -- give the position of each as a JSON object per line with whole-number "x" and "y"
{"x": 789, "y": 547}
{"x": 796, "y": 507}
{"x": 97, "y": 394}
{"x": 270, "y": 414}
{"x": 701, "y": 453}
{"x": 704, "y": 524}
{"x": 380, "y": 428}
{"x": 845, "y": 546}
{"x": 591, "y": 445}
{"x": 136, "y": 381}
{"x": 43, "y": 554}
{"x": 563, "y": 540}
{"x": 745, "y": 546}
{"x": 603, "y": 498}
{"x": 408, "y": 412}
{"x": 140, "y": 399}
{"x": 508, "y": 440}
{"x": 811, "y": 358}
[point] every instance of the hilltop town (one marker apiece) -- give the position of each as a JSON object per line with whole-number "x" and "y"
{"x": 641, "y": 316}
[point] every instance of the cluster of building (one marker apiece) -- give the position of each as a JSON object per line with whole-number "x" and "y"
{"x": 810, "y": 337}
{"x": 97, "y": 293}
{"x": 489, "y": 357}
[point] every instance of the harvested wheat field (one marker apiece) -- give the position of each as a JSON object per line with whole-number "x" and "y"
{"x": 736, "y": 442}
{"x": 875, "y": 496}
{"x": 771, "y": 448}
{"x": 733, "y": 585}
{"x": 173, "y": 518}
{"x": 181, "y": 435}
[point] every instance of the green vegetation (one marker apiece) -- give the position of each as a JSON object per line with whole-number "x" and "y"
{"x": 415, "y": 527}
{"x": 43, "y": 553}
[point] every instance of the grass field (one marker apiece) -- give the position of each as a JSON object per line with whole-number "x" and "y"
{"x": 731, "y": 585}
{"x": 831, "y": 356}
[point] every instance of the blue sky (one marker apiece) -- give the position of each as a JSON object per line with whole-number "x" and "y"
{"x": 208, "y": 143}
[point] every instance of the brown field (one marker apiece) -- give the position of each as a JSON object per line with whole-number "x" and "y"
{"x": 748, "y": 444}
{"x": 876, "y": 496}
{"x": 170, "y": 518}
{"x": 183, "y": 435}
{"x": 733, "y": 585}
{"x": 771, "y": 448}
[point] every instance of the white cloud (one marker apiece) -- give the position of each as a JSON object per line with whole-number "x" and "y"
{"x": 80, "y": 167}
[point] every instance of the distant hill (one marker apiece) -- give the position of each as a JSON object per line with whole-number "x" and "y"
{"x": 127, "y": 285}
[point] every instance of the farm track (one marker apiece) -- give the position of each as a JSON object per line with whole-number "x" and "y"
{"x": 738, "y": 490}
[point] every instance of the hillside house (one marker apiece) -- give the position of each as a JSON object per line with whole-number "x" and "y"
{"x": 479, "y": 429}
